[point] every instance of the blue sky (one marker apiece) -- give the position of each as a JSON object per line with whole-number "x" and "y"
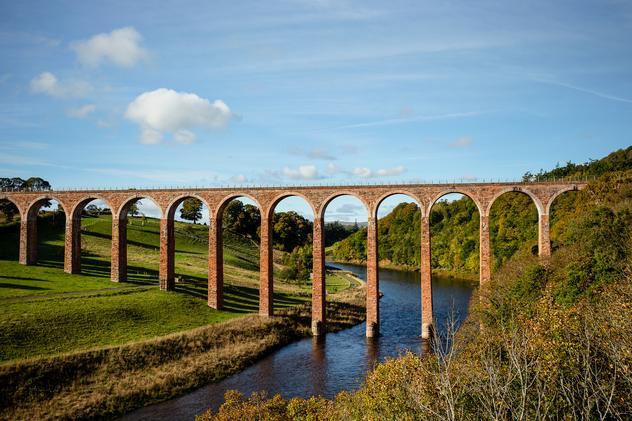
{"x": 116, "y": 94}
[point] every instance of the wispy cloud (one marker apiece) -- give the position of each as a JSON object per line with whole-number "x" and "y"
{"x": 160, "y": 175}
{"x": 81, "y": 112}
{"x": 23, "y": 144}
{"x": 584, "y": 90}
{"x": 315, "y": 153}
{"x": 12, "y": 159}
{"x": 405, "y": 120}
{"x": 461, "y": 142}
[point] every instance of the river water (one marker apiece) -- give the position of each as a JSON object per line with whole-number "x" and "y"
{"x": 338, "y": 361}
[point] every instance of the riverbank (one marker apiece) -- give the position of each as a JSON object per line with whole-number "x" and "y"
{"x": 112, "y": 381}
{"x": 387, "y": 264}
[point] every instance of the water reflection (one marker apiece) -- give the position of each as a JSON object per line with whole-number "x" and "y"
{"x": 338, "y": 361}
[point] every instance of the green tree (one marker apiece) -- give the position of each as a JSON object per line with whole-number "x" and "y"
{"x": 36, "y": 184}
{"x": 242, "y": 219}
{"x": 8, "y": 209}
{"x": 291, "y": 230}
{"x": 191, "y": 209}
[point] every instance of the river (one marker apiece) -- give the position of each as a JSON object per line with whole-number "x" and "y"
{"x": 338, "y": 361}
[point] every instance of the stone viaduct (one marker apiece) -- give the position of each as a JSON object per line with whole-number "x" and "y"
{"x": 318, "y": 197}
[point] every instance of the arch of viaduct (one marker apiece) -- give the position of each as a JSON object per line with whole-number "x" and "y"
{"x": 318, "y": 197}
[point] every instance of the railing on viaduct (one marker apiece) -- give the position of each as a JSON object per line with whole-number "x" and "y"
{"x": 318, "y": 197}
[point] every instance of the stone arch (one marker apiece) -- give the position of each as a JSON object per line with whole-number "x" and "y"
{"x": 173, "y": 205}
{"x": 29, "y": 243}
{"x": 227, "y": 199}
{"x": 385, "y": 196}
{"x": 470, "y": 195}
{"x": 496, "y": 257}
{"x": 536, "y": 201}
{"x": 14, "y": 203}
{"x": 273, "y": 204}
{"x": 34, "y": 205}
{"x": 72, "y": 259}
{"x": 78, "y": 207}
{"x": 125, "y": 205}
{"x": 556, "y": 195}
{"x": 331, "y": 197}
{"x": 13, "y": 250}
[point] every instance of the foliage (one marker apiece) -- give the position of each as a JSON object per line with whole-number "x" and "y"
{"x": 454, "y": 232}
{"x": 335, "y": 231}
{"x": 513, "y": 224}
{"x": 291, "y": 230}
{"x": 18, "y": 184}
{"x": 454, "y": 225}
{"x": 298, "y": 264}
{"x": 7, "y": 209}
{"x": 550, "y": 340}
{"x": 191, "y": 209}
{"x": 620, "y": 160}
{"x": 454, "y": 235}
{"x": 243, "y": 219}
{"x": 133, "y": 209}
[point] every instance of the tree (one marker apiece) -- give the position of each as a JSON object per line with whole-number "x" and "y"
{"x": 242, "y": 219}
{"x": 291, "y": 230}
{"x": 36, "y": 184}
{"x": 8, "y": 209}
{"x": 18, "y": 184}
{"x": 191, "y": 209}
{"x": 92, "y": 210}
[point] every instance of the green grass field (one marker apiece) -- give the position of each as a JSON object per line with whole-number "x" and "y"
{"x": 45, "y": 311}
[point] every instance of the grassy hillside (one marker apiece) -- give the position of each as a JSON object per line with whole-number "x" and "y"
{"x": 454, "y": 226}
{"x": 44, "y": 311}
{"x": 553, "y": 339}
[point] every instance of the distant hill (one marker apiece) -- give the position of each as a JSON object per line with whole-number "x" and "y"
{"x": 454, "y": 225}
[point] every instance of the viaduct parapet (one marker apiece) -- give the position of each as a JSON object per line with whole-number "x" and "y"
{"x": 318, "y": 197}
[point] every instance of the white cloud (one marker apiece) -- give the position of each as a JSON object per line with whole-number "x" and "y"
{"x": 47, "y": 83}
{"x": 240, "y": 178}
{"x": 383, "y": 172}
{"x": 167, "y": 111}
{"x": 81, "y": 112}
{"x": 304, "y": 172}
{"x": 362, "y": 172}
{"x": 121, "y": 47}
{"x": 333, "y": 169}
{"x": 461, "y": 142}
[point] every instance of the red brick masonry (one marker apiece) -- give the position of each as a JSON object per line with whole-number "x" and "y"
{"x": 216, "y": 199}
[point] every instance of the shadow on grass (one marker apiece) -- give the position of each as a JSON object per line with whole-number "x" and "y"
{"x": 18, "y": 286}
{"x": 139, "y": 243}
{"x": 22, "y": 278}
{"x": 238, "y": 299}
